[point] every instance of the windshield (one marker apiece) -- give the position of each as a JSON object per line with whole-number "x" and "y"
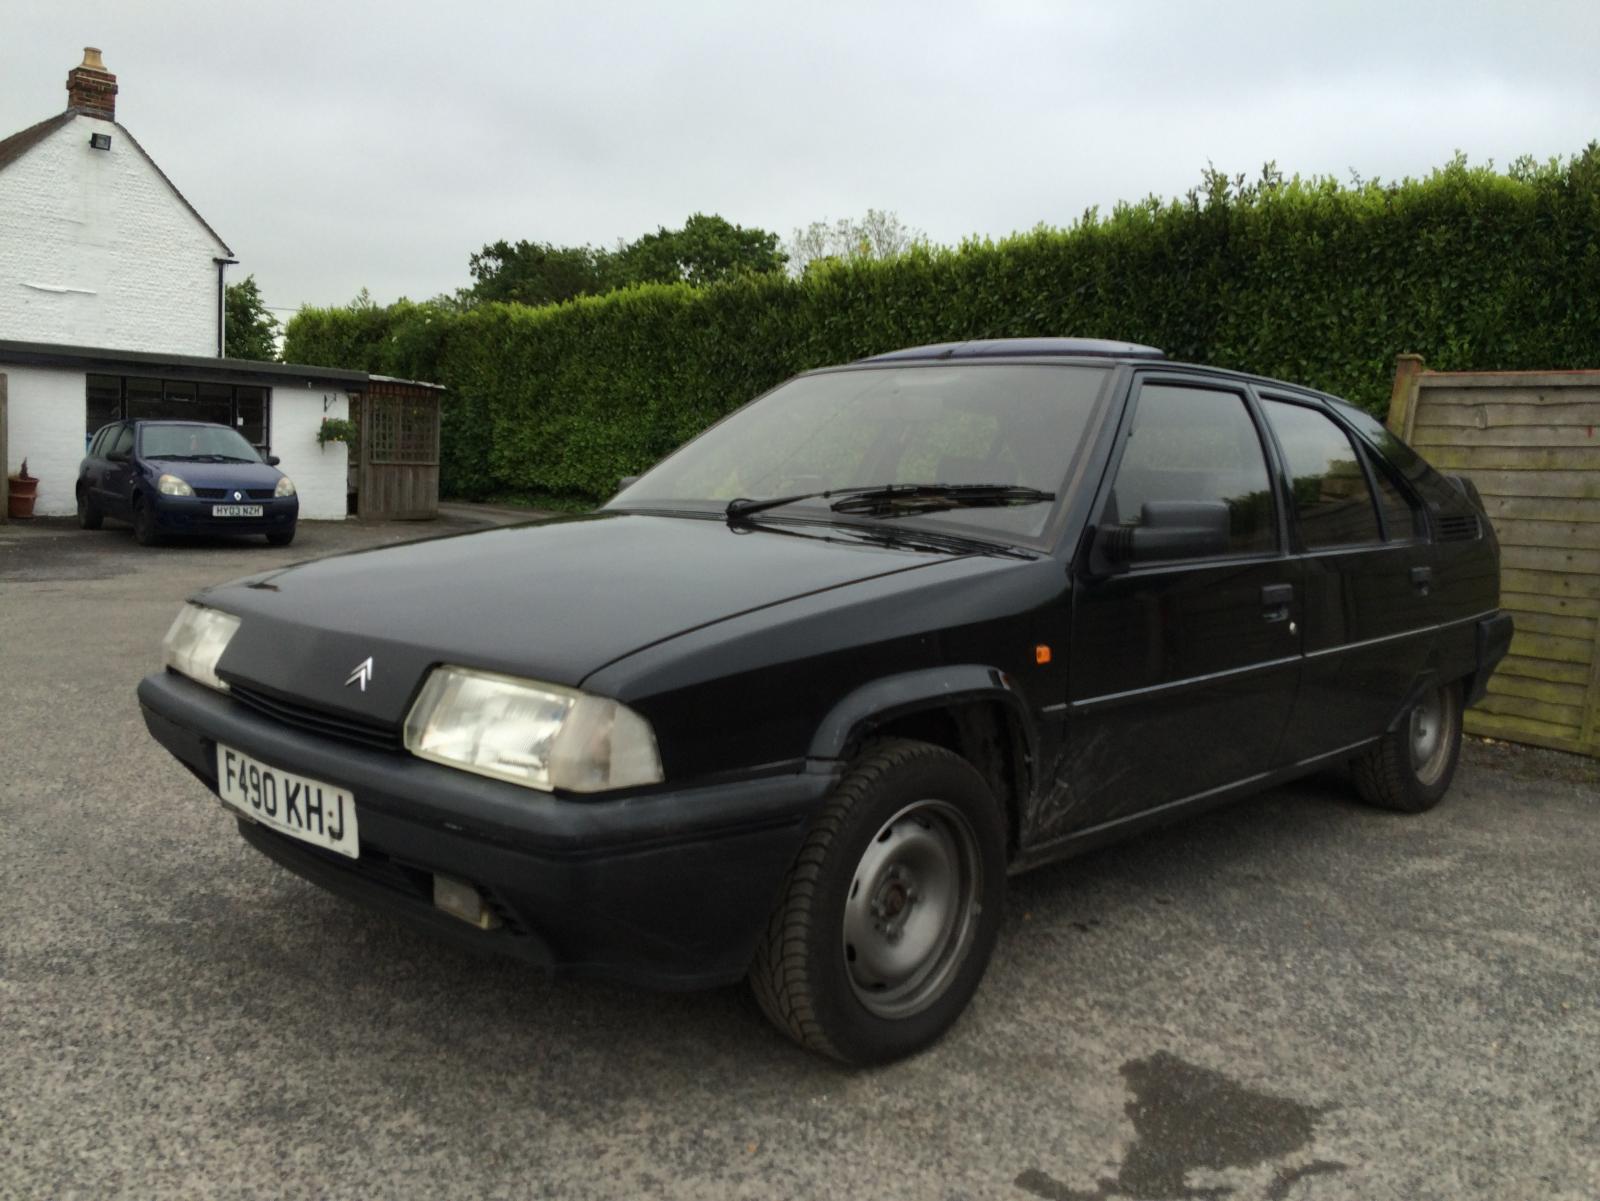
{"x": 205, "y": 442}
{"x": 1004, "y": 424}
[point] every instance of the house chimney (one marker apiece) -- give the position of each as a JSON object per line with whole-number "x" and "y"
{"x": 91, "y": 89}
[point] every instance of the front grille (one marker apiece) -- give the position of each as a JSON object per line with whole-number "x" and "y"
{"x": 227, "y": 493}
{"x": 316, "y": 721}
{"x": 1460, "y": 527}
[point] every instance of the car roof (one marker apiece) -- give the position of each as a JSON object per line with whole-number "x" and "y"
{"x": 994, "y": 348}
{"x": 1094, "y": 350}
{"x": 176, "y": 421}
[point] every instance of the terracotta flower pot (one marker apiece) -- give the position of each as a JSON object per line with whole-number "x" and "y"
{"x": 24, "y": 490}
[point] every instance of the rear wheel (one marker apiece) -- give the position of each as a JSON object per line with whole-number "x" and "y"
{"x": 1410, "y": 768}
{"x": 144, "y": 523}
{"x": 281, "y": 537}
{"x": 89, "y": 517}
{"x": 891, "y": 911}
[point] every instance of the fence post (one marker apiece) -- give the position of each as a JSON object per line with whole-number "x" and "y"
{"x": 1403, "y": 399}
{"x": 5, "y": 454}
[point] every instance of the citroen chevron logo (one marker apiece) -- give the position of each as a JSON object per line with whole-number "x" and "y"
{"x": 361, "y": 674}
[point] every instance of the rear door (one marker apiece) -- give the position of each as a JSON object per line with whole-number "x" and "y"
{"x": 1367, "y": 573}
{"x": 1183, "y": 674}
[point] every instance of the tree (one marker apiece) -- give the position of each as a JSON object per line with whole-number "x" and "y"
{"x": 535, "y": 272}
{"x": 879, "y": 235}
{"x": 249, "y": 330}
{"x": 707, "y": 250}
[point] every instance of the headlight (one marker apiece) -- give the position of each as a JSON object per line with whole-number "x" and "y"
{"x": 196, "y": 641}
{"x": 171, "y": 485}
{"x": 537, "y": 735}
{"x": 285, "y": 487}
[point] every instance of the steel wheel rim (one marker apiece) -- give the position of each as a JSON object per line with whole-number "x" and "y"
{"x": 1432, "y": 732}
{"x": 912, "y": 910}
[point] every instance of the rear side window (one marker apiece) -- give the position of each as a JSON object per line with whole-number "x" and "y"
{"x": 1402, "y": 520}
{"x": 1196, "y": 444}
{"x": 1331, "y": 497}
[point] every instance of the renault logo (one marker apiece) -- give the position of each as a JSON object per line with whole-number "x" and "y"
{"x": 238, "y": 496}
{"x": 361, "y": 674}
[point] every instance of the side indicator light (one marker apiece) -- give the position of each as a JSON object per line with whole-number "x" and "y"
{"x": 1041, "y": 654}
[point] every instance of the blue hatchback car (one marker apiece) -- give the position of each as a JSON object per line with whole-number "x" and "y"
{"x": 184, "y": 477}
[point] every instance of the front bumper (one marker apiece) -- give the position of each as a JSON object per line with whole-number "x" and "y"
{"x": 668, "y": 889}
{"x": 192, "y": 515}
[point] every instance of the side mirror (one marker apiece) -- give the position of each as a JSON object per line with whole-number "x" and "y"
{"x": 1167, "y": 529}
{"x": 272, "y": 460}
{"x": 627, "y": 481}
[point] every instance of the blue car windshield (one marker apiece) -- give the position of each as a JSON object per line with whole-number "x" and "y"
{"x": 209, "y": 443}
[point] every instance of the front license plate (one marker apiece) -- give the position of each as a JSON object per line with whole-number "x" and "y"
{"x": 309, "y": 810}
{"x": 236, "y": 510}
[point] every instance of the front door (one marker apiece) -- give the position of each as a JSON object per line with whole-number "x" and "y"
{"x": 1183, "y": 673}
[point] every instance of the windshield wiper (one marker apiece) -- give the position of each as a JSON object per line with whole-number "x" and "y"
{"x": 892, "y": 499}
{"x": 928, "y": 498}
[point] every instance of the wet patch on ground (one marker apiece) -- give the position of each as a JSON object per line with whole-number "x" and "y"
{"x": 1187, "y": 1119}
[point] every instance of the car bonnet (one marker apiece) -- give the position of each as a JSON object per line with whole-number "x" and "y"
{"x": 550, "y": 601}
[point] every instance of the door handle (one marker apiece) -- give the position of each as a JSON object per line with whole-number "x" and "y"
{"x": 1275, "y": 601}
{"x": 1422, "y": 579}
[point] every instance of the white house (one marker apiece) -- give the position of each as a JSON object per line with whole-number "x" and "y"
{"x": 111, "y": 306}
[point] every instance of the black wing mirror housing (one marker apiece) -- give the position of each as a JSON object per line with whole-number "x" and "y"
{"x": 1167, "y": 529}
{"x": 272, "y": 460}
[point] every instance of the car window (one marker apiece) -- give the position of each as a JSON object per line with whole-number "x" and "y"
{"x": 948, "y": 424}
{"x": 97, "y": 445}
{"x": 1196, "y": 444}
{"x": 124, "y": 442}
{"x": 1331, "y": 497}
{"x": 1402, "y": 520}
{"x": 194, "y": 441}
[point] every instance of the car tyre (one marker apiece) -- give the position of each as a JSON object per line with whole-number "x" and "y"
{"x": 144, "y": 524}
{"x": 1410, "y": 768}
{"x": 281, "y": 537}
{"x": 89, "y": 517}
{"x": 891, "y": 911}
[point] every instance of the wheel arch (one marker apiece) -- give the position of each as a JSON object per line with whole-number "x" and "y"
{"x": 969, "y": 709}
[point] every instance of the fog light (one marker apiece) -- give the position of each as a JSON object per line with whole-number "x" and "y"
{"x": 460, "y": 899}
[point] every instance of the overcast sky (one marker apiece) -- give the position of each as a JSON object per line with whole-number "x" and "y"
{"x": 337, "y": 145}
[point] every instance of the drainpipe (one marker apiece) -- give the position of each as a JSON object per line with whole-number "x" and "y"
{"x": 222, "y": 304}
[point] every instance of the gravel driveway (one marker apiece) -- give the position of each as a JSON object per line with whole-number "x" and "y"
{"x": 1296, "y": 997}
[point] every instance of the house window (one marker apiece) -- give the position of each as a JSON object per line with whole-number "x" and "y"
{"x": 104, "y": 402}
{"x": 244, "y": 407}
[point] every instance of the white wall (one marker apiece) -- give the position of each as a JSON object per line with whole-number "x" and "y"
{"x": 318, "y": 472}
{"x": 97, "y": 250}
{"x": 48, "y": 407}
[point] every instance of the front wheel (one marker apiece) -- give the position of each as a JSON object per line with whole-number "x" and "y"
{"x": 144, "y": 524}
{"x": 1410, "y": 768}
{"x": 891, "y": 911}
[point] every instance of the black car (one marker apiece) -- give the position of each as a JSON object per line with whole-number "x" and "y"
{"x": 796, "y": 701}
{"x": 184, "y": 477}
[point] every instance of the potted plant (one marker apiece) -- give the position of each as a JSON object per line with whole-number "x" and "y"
{"x": 24, "y": 490}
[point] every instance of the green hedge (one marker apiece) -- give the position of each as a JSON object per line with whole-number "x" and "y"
{"x": 1310, "y": 281}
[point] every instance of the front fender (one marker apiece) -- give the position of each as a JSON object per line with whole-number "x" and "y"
{"x": 912, "y": 691}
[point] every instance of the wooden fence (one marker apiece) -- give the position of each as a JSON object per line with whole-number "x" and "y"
{"x": 1529, "y": 441}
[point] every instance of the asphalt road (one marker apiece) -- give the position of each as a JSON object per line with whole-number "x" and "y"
{"x": 1293, "y": 998}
